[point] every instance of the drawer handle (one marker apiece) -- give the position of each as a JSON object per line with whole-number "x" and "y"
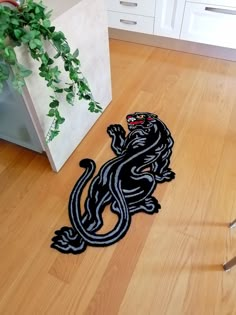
{"x": 128, "y": 4}
{"x": 222, "y": 11}
{"x": 128, "y": 22}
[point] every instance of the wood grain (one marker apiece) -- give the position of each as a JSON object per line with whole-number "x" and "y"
{"x": 169, "y": 263}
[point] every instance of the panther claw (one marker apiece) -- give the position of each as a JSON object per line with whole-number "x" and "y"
{"x": 115, "y": 130}
{"x": 169, "y": 175}
{"x": 68, "y": 241}
{"x": 166, "y": 176}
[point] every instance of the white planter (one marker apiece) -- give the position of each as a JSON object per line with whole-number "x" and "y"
{"x": 84, "y": 23}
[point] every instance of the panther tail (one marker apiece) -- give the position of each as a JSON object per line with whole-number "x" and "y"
{"x": 75, "y": 240}
{"x": 67, "y": 239}
{"x": 123, "y": 223}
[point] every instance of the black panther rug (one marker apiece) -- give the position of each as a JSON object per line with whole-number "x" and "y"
{"x": 126, "y": 183}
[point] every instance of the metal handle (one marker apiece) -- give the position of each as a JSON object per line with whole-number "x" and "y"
{"x": 222, "y": 11}
{"x": 129, "y": 4}
{"x": 128, "y": 22}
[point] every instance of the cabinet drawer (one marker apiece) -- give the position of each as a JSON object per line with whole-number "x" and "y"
{"x": 130, "y": 22}
{"x": 139, "y": 7}
{"x": 209, "y": 24}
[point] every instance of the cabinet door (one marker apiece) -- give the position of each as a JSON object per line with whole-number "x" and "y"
{"x": 209, "y": 24}
{"x": 168, "y": 17}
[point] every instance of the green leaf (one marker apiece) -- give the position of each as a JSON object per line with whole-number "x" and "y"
{"x": 57, "y": 55}
{"x": 56, "y": 125}
{"x": 84, "y": 86}
{"x": 73, "y": 75}
{"x": 26, "y": 38}
{"x": 9, "y": 55}
{"x": 70, "y": 98}
{"x": 37, "y": 10}
{"x": 24, "y": 72}
{"x": 44, "y": 59}
{"x": 50, "y": 61}
{"x": 76, "y": 53}
{"x": 4, "y": 71}
{"x": 57, "y": 90}
{"x": 53, "y": 134}
{"x": 68, "y": 90}
{"x": 51, "y": 112}
{"x": 30, "y": 35}
{"x": 38, "y": 43}
{"x": 17, "y": 33}
{"x": 15, "y": 22}
{"x": 87, "y": 97}
{"x": 58, "y": 36}
{"x": 44, "y": 69}
{"x": 65, "y": 48}
{"x": 54, "y": 104}
{"x": 60, "y": 120}
{"x": 76, "y": 61}
{"x": 18, "y": 84}
{"x": 32, "y": 44}
{"x": 67, "y": 66}
{"x": 35, "y": 55}
{"x": 91, "y": 107}
{"x": 51, "y": 29}
{"x": 56, "y": 113}
{"x": 46, "y": 23}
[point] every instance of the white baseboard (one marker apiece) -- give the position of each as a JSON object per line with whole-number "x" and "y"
{"x": 174, "y": 44}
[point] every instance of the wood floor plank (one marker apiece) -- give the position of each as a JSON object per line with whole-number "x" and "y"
{"x": 169, "y": 263}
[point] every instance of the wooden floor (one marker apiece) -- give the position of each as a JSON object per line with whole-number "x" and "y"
{"x": 169, "y": 263}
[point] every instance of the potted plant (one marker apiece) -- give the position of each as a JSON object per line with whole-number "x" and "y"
{"x": 29, "y": 24}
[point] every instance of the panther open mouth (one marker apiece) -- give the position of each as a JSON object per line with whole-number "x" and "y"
{"x": 133, "y": 121}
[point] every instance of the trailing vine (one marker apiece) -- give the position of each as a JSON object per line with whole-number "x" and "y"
{"x": 30, "y": 25}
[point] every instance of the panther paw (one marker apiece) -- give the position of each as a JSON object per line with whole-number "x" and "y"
{"x": 169, "y": 175}
{"x": 68, "y": 241}
{"x": 166, "y": 176}
{"x": 113, "y": 130}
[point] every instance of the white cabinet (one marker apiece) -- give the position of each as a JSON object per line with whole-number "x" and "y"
{"x": 132, "y": 15}
{"x": 168, "y": 17}
{"x": 209, "y": 24}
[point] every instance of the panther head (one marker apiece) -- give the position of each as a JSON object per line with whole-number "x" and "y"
{"x": 140, "y": 120}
